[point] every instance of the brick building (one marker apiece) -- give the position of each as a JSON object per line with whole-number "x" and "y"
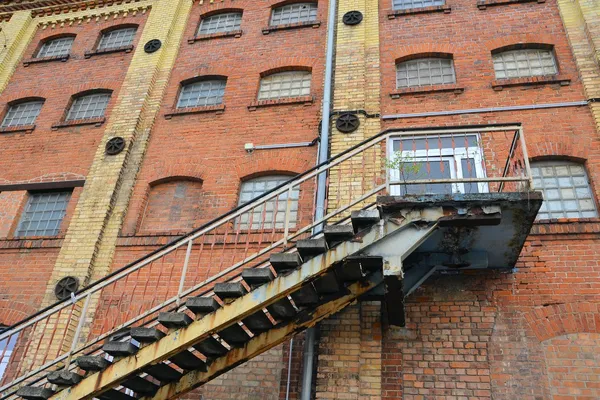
{"x": 128, "y": 124}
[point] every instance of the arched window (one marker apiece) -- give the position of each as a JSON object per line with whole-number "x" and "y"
{"x": 116, "y": 38}
{"x": 524, "y": 63}
{"x": 566, "y": 187}
{"x": 56, "y": 47}
{"x": 425, "y": 72}
{"x": 22, "y": 114}
{"x": 284, "y": 84}
{"x": 224, "y": 22}
{"x": 294, "y": 13}
{"x": 173, "y": 205}
{"x": 406, "y": 4}
{"x": 88, "y": 106}
{"x": 202, "y": 93}
{"x": 272, "y": 213}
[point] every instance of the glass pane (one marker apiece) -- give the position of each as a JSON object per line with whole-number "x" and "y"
{"x": 425, "y": 72}
{"x": 22, "y": 114}
{"x": 271, "y": 214}
{"x": 43, "y": 214}
{"x": 117, "y": 38}
{"x": 530, "y": 62}
{"x": 226, "y": 22}
{"x": 294, "y": 13}
{"x": 419, "y": 170}
{"x": 284, "y": 85}
{"x": 56, "y": 47}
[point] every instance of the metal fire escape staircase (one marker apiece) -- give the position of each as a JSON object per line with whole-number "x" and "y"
{"x": 385, "y": 249}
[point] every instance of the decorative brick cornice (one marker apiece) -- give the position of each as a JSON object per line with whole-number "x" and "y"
{"x": 45, "y": 7}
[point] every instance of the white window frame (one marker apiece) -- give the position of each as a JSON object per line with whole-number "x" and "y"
{"x": 454, "y": 156}
{"x": 313, "y": 9}
{"x": 236, "y": 15}
{"x": 46, "y": 47}
{"x": 410, "y": 4}
{"x": 80, "y": 98}
{"x": 203, "y": 101}
{"x": 104, "y": 37}
{"x": 12, "y": 109}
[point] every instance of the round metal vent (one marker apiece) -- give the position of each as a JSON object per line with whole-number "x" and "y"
{"x": 152, "y": 46}
{"x": 65, "y": 287}
{"x": 115, "y": 146}
{"x": 352, "y": 18}
{"x": 347, "y": 123}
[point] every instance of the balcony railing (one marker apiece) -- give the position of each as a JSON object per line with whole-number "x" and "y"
{"x": 409, "y": 161}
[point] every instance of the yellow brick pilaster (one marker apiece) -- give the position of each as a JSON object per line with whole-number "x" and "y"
{"x": 15, "y": 36}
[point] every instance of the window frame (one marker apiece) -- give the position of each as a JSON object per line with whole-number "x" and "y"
{"x": 268, "y": 75}
{"x": 37, "y": 54}
{"x": 17, "y": 103}
{"x": 67, "y": 120}
{"x": 311, "y": 20}
{"x": 420, "y": 58}
{"x": 6, "y": 355}
{"x": 189, "y": 82}
{"x": 434, "y": 3}
{"x": 222, "y": 32}
{"x": 524, "y": 48}
{"x": 99, "y": 50}
{"x": 20, "y": 232}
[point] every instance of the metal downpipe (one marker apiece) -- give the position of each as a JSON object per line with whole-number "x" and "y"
{"x": 311, "y": 333}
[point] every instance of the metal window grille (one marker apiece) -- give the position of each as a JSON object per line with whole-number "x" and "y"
{"x": 56, "y": 47}
{"x": 202, "y": 93}
{"x": 22, "y": 114}
{"x": 285, "y": 84}
{"x": 225, "y": 22}
{"x": 406, "y": 4}
{"x": 524, "y": 62}
{"x": 294, "y": 13}
{"x": 272, "y": 213}
{"x": 88, "y": 106}
{"x": 43, "y": 214}
{"x": 117, "y": 38}
{"x": 7, "y": 347}
{"x": 425, "y": 72}
{"x": 566, "y": 187}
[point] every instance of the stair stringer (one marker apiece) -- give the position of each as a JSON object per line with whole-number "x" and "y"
{"x": 182, "y": 339}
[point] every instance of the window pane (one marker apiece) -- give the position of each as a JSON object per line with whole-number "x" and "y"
{"x": 566, "y": 189}
{"x": 405, "y": 4}
{"x": 43, "y": 214}
{"x": 285, "y": 84}
{"x": 117, "y": 38}
{"x": 524, "y": 63}
{"x": 203, "y": 93}
{"x": 56, "y": 47}
{"x": 294, "y": 13}
{"x": 272, "y": 213}
{"x": 7, "y": 347}
{"x": 89, "y": 106}
{"x": 22, "y": 114}
{"x": 226, "y": 22}
{"x": 417, "y": 170}
{"x": 425, "y": 72}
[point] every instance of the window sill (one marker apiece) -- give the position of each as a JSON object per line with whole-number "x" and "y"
{"x": 454, "y": 88}
{"x": 565, "y": 226}
{"x": 446, "y": 9}
{"x": 40, "y": 60}
{"x": 208, "y": 36}
{"x": 483, "y": 4}
{"x": 217, "y": 109}
{"x": 500, "y": 84}
{"x": 124, "y": 49}
{"x": 306, "y": 100}
{"x": 269, "y": 29}
{"x": 79, "y": 122}
{"x": 21, "y": 128}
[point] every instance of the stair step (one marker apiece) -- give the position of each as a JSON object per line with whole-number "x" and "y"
{"x": 147, "y": 335}
{"x": 92, "y": 363}
{"x": 202, "y": 305}
{"x": 63, "y": 378}
{"x": 305, "y": 296}
{"x": 368, "y": 263}
{"x": 327, "y": 283}
{"x": 351, "y": 272}
{"x": 174, "y": 320}
{"x": 211, "y": 348}
{"x": 119, "y": 349}
{"x": 230, "y": 290}
{"x": 257, "y": 276}
{"x": 338, "y": 233}
{"x": 35, "y": 393}
{"x": 312, "y": 247}
{"x": 164, "y": 373}
{"x": 140, "y": 385}
{"x": 188, "y": 361}
{"x": 113, "y": 394}
{"x": 235, "y": 335}
{"x": 282, "y": 309}
{"x": 364, "y": 218}
{"x": 258, "y": 322}
{"x": 285, "y": 261}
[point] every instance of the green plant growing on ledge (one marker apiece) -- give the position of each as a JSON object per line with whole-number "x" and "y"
{"x": 408, "y": 168}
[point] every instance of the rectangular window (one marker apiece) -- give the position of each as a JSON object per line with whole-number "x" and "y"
{"x": 294, "y": 13}
{"x": 202, "y": 93}
{"x": 22, "y": 114}
{"x": 284, "y": 84}
{"x": 437, "y": 158}
{"x": 89, "y": 106}
{"x": 524, "y": 63}
{"x": 43, "y": 214}
{"x": 117, "y": 38}
{"x": 406, "y": 4}
{"x": 56, "y": 47}
{"x": 272, "y": 213}
{"x": 7, "y": 347}
{"x": 425, "y": 72}
{"x": 226, "y": 22}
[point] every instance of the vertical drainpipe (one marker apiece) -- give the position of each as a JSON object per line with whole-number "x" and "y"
{"x": 311, "y": 333}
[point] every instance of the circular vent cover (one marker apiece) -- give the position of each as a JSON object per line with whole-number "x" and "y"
{"x": 347, "y": 123}
{"x": 352, "y": 18}
{"x": 152, "y": 46}
{"x": 115, "y": 146}
{"x": 65, "y": 287}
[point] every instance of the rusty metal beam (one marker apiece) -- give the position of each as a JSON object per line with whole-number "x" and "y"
{"x": 264, "y": 342}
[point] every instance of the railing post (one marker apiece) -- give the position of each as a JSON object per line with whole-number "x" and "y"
{"x": 188, "y": 253}
{"x": 526, "y": 157}
{"x": 78, "y": 331}
{"x": 288, "y": 206}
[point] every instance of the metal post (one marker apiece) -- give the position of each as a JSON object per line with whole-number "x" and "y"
{"x": 78, "y": 331}
{"x": 526, "y": 157}
{"x": 188, "y": 252}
